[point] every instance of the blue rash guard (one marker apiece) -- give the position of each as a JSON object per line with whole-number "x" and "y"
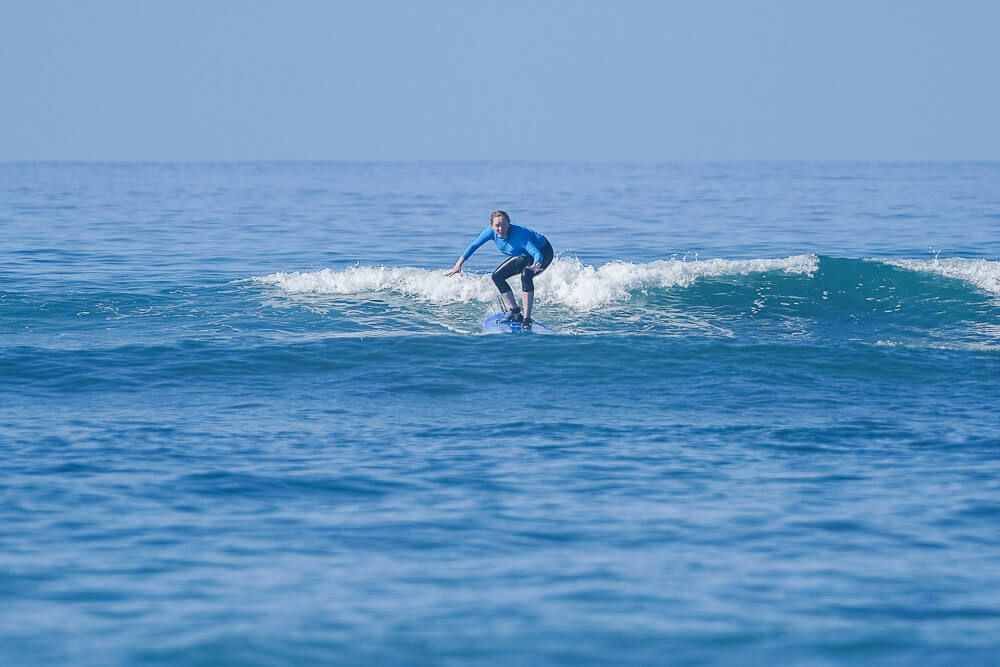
{"x": 519, "y": 241}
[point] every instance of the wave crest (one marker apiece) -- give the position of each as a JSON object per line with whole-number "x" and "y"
{"x": 432, "y": 286}
{"x": 568, "y": 281}
{"x": 982, "y": 273}
{"x": 584, "y": 287}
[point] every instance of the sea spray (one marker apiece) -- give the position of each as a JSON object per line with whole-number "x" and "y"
{"x": 982, "y": 273}
{"x": 568, "y": 281}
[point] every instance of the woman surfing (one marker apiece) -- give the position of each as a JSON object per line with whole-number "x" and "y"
{"x": 529, "y": 254}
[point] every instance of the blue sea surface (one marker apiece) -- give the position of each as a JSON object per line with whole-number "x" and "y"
{"x": 245, "y": 419}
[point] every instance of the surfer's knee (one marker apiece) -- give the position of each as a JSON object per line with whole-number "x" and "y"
{"x": 500, "y": 281}
{"x": 527, "y": 280}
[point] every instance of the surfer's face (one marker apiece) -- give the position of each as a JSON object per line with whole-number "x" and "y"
{"x": 500, "y": 226}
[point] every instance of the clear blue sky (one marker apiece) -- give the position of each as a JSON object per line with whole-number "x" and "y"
{"x": 511, "y": 79}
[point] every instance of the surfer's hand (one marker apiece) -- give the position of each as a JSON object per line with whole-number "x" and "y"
{"x": 536, "y": 267}
{"x": 455, "y": 269}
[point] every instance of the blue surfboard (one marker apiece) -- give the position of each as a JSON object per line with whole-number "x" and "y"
{"x": 494, "y": 324}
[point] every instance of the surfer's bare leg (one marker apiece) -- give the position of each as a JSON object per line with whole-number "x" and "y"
{"x": 511, "y": 302}
{"x": 529, "y": 300}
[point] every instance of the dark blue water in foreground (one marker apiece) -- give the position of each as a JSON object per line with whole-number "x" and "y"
{"x": 246, "y": 420}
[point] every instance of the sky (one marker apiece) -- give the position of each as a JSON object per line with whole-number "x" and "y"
{"x": 505, "y": 80}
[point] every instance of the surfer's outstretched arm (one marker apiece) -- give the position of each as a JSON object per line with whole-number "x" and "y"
{"x": 483, "y": 237}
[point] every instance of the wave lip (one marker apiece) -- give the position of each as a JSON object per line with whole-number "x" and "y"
{"x": 425, "y": 284}
{"x": 567, "y": 282}
{"x": 982, "y": 273}
{"x": 584, "y": 287}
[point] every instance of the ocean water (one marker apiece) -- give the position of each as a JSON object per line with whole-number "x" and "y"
{"x": 245, "y": 419}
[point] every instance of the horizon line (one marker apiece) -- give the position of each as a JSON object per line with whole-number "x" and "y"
{"x": 502, "y": 161}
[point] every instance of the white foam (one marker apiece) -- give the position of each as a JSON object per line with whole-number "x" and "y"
{"x": 432, "y": 286}
{"x": 584, "y": 287}
{"x": 568, "y": 281}
{"x": 982, "y": 273}
{"x": 948, "y": 347}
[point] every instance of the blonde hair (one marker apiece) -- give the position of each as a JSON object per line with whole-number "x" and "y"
{"x": 500, "y": 214}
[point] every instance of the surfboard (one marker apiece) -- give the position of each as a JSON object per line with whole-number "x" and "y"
{"x": 494, "y": 324}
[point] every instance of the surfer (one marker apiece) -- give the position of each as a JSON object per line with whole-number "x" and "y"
{"x": 529, "y": 253}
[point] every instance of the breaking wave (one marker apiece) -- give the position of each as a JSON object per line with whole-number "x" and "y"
{"x": 568, "y": 281}
{"x": 983, "y": 273}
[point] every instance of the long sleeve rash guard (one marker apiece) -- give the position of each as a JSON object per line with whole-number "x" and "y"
{"x": 519, "y": 241}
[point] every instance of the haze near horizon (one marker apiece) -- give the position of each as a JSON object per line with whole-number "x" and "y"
{"x": 390, "y": 80}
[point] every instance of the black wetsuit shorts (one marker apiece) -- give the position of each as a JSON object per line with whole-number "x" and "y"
{"x": 514, "y": 265}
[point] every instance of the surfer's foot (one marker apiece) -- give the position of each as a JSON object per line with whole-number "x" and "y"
{"x": 514, "y": 317}
{"x": 526, "y": 324}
